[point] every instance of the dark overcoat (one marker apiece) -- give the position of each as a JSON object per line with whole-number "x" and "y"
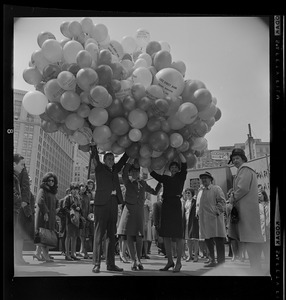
{"x": 45, "y": 203}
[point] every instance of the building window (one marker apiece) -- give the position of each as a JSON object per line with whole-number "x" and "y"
{"x": 30, "y": 118}
{"x": 17, "y": 109}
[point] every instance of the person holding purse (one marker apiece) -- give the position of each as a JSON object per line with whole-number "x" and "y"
{"x": 45, "y": 212}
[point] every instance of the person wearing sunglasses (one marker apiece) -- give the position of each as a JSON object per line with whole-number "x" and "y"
{"x": 45, "y": 211}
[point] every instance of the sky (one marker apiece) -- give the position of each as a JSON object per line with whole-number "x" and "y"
{"x": 230, "y": 55}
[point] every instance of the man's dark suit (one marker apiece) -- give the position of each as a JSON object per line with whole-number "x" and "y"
{"x": 106, "y": 208}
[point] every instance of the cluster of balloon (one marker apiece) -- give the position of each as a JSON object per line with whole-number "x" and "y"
{"x": 124, "y": 96}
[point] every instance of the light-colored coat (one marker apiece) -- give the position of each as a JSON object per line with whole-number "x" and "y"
{"x": 245, "y": 198}
{"x": 211, "y": 212}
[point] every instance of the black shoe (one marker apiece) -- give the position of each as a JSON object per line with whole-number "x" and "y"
{"x": 38, "y": 257}
{"x": 49, "y": 261}
{"x": 67, "y": 257}
{"x": 134, "y": 267}
{"x": 74, "y": 257}
{"x": 167, "y": 267}
{"x": 96, "y": 269}
{"x": 210, "y": 265}
{"x": 114, "y": 268}
{"x": 140, "y": 267}
{"x": 177, "y": 268}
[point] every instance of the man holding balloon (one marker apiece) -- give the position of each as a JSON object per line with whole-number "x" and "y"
{"x": 107, "y": 197}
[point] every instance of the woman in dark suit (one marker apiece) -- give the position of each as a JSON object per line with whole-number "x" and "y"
{"x": 132, "y": 219}
{"x": 172, "y": 227}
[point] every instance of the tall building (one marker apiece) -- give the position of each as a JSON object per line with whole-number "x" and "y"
{"x": 43, "y": 152}
{"x": 81, "y": 164}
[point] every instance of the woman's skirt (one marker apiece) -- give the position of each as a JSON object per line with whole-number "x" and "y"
{"x": 132, "y": 220}
{"x": 172, "y": 218}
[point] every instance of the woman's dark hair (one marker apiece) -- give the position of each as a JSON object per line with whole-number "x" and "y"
{"x": 174, "y": 163}
{"x": 74, "y": 186}
{"x": 190, "y": 190}
{"x": 53, "y": 189}
{"x": 107, "y": 154}
{"x": 17, "y": 158}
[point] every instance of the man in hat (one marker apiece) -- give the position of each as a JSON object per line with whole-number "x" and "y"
{"x": 245, "y": 198}
{"x": 211, "y": 218}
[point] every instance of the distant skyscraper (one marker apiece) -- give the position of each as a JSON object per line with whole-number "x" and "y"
{"x": 43, "y": 152}
{"x": 81, "y": 164}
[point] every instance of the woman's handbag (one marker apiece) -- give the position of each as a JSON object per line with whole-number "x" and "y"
{"x": 234, "y": 217}
{"x": 75, "y": 217}
{"x": 46, "y": 237}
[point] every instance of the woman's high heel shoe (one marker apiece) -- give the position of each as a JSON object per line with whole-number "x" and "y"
{"x": 177, "y": 268}
{"x": 123, "y": 259}
{"x": 38, "y": 257}
{"x": 167, "y": 267}
{"x": 74, "y": 257}
{"x": 134, "y": 267}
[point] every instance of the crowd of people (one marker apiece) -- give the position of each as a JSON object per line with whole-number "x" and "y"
{"x": 108, "y": 218}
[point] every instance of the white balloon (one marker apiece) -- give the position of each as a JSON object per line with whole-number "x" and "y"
{"x": 140, "y": 62}
{"x": 171, "y": 81}
{"x": 147, "y": 57}
{"x": 35, "y": 102}
{"x": 86, "y": 24}
{"x": 142, "y": 75}
{"x": 129, "y": 44}
{"x": 142, "y": 37}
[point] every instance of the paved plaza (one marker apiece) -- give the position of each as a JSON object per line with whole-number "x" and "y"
{"x": 83, "y": 267}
